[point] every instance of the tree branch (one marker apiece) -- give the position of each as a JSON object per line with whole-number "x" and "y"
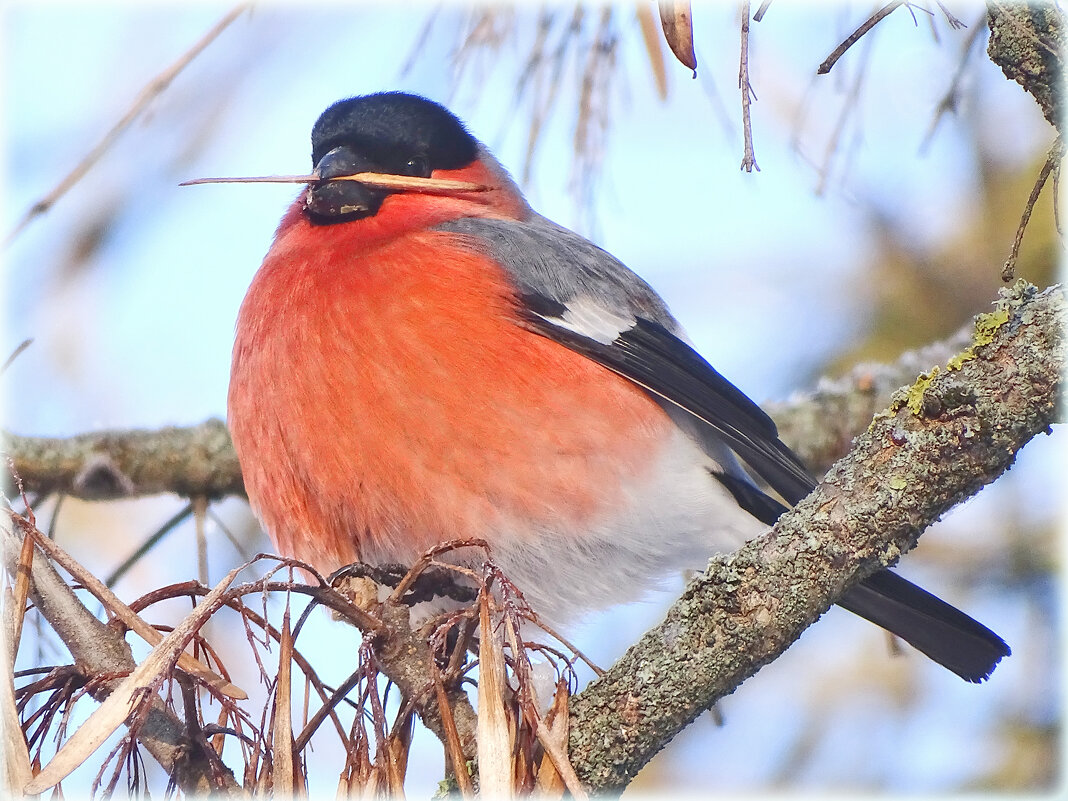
{"x": 855, "y": 37}
{"x": 100, "y": 650}
{"x": 940, "y": 441}
{"x": 199, "y": 461}
{"x": 1026, "y": 41}
{"x": 819, "y": 425}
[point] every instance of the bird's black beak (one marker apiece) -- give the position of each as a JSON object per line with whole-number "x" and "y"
{"x": 329, "y": 202}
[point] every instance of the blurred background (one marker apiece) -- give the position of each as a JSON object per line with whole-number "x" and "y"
{"x": 874, "y": 225}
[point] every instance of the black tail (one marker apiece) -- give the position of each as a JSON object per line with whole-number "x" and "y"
{"x": 944, "y": 633}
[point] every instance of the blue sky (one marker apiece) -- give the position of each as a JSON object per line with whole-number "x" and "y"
{"x": 133, "y": 320}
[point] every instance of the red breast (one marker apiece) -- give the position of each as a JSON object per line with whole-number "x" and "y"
{"x": 385, "y": 396}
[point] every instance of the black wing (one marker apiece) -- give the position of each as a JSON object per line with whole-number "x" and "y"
{"x": 657, "y": 360}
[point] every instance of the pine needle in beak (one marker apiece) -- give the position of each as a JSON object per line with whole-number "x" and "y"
{"x": 402, "y": 183}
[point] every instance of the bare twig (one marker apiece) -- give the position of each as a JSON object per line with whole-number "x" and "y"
{"x": 151, "y": 90}
{"x": 383, "y": 180}
{"x": 854, "y": 37}
{"x": 1056, "y": 201}
{"x": 129, "y": 618}
{"x": 128, "y": 696}
{"x": 327, "y": 710}
{"x": 849, "y": 105}
{"x": 954, "y": 23}
{"x": 23, "y": 571}
{"x": 146, "y": 546}
{"x": 15, "y": 353}
{"x": 748, "y": 157}
{"x": 1052, "y": 163}
{"x": 949, "y": 100}
{"x": 102, "y": 654}
{"x": 761, "y": 11}
{"x": 452, "y": 740}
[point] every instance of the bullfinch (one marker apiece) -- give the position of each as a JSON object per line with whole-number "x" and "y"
{"x": 413, "y": 367}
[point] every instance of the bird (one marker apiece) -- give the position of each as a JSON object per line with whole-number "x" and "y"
{"x": 414, "y": 367}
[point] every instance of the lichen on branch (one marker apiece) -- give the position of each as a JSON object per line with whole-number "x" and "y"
{"x": 906, "y": 470}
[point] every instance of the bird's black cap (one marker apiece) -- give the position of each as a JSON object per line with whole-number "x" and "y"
{"x": 392, "y": 127}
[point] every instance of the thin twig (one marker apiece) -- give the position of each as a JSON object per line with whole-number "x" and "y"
{"x": 948, "y": 102}
{"x": 129, "y": 618}
{"x": 221, "y": 525}
{"x": 852, "y": 39}
{"x": 200, "y": 508}
{"x": 849, "y": 104}
{"x": 749, "y": 157}
{"x": 1056, "y": 201}
{"x": 1008, "y": 272}
{"x": 428, "y": 558}
{"x": 383, "y": 180}
{"x": 950, "y": 18}
{"x": 452, "y": 739}
{"x": 326, "y": 709}
{"x": 152, "y": 90}
{"x": 15, "y": 353}
{"x": 761, "y": 11}
{"x": 148, "y": 544}
{"x": 23, "y": 573}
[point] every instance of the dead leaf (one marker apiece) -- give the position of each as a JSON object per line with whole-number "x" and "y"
{"x": 494, "y": 735}
{"x": 677, "y": 22}
{"x": 125, "y": 698}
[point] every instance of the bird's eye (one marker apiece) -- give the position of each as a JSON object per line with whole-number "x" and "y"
{"x": 418, "y": 166}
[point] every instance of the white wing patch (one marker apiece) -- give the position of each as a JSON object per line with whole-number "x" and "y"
{"x": 587, "y": 317}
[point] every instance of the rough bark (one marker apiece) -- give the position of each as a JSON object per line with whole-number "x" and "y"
{"x": 1027, "y": 41}
{"x": 819, "y": 425}
{"x": 955, "y": 430}
{"x": 198, "y": 461}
